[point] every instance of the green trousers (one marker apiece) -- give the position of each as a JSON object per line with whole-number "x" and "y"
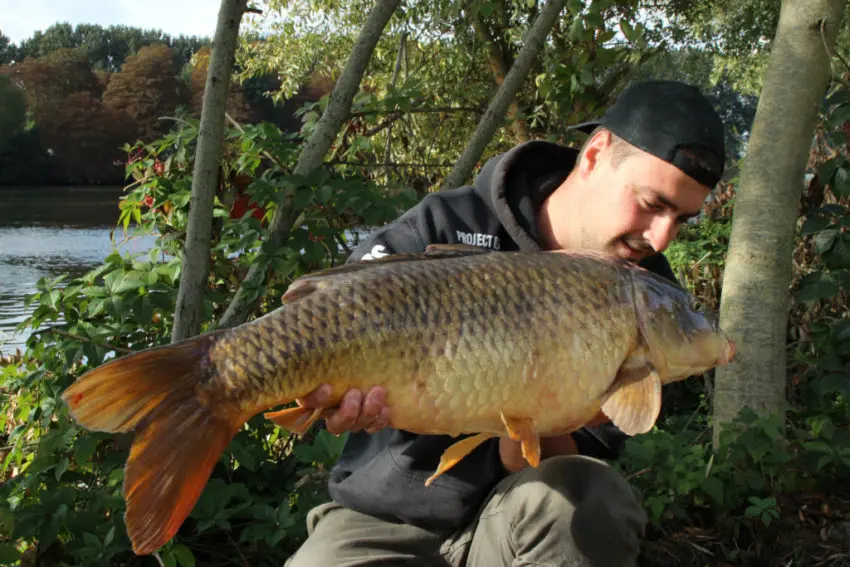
{"x": 570, "y": 511}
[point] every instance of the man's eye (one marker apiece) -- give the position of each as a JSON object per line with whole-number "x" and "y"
{"x": 652, "y": 206}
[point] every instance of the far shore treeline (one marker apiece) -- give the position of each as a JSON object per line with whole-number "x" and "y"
{"x": 72, "y": 96}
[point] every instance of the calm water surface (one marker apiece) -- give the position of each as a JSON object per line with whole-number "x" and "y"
{"x": 48, "y": 232}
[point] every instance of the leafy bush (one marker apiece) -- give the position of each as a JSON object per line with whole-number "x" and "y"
{"x": 60, "y": 500}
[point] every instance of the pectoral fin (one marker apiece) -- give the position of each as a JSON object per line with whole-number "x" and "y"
{"x": 456, "y": 452}
{"x": 522, "y": 429}
{"x": 633, "y": 404}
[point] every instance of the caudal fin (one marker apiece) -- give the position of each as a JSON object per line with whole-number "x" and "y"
{"x": 177, "y": 438}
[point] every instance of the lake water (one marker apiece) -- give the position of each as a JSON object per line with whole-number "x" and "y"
{"x": 50, "y": 231}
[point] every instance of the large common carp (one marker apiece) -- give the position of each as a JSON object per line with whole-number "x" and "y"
{"x": 464, "y": 341}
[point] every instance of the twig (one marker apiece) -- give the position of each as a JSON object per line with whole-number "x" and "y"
{"x": 85, "y": 340}
{"x": 343, "y": 244}
{"x": 238, "y": 551}
{"x": 239, "y": 127}
{"x": 639, "y": 473}
{"x": 418, "y": 110}
{"x": 363, "y": 164}
{"x": 832, "y": 53}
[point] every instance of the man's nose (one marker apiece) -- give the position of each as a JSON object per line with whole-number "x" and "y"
{"x": 661, "y": 232}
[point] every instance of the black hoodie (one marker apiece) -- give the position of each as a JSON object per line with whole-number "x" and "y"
{"x": 383, "y": 474}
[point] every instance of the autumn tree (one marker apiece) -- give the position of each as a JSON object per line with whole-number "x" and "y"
{"x": 237, "y": 106}
{"x": 147, "y": 89}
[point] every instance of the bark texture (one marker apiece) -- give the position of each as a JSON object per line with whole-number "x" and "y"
{"x": 189, "y": 310}
{"x": 755, "y": 297}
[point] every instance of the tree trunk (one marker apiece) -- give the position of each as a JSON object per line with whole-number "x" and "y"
{"x": 314, "y": 151}
{"x": 195, "y": 269}
{"x": 492, "y": 118}
{"x": 755, "y": 297}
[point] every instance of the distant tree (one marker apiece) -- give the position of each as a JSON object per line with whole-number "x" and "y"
{"x": 86, "y": 137}
{"x": 147, "y": 89}
{"x": 5, "y": 49}
{"x": 48, "y": 80}
{"x": 13, "y": 111}
{"x": 107, "y": 48}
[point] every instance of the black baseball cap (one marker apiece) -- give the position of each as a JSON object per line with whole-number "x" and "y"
{"x": 661, "y": 116}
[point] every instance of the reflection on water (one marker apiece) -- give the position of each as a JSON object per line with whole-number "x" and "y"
{"x": 48, "y": 232}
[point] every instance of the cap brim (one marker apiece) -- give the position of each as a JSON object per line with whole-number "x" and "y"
{"x": 586, "y": 127}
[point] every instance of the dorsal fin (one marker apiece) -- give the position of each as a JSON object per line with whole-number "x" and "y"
{"x": 308, "y": 283}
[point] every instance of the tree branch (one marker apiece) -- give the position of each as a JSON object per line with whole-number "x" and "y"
{"x": 194, "y": 275}
{"x": 389, "y": 164}
{"x": 492, "y": 119}
{"x": 84, "y": 340}
{"x": 447, "y": 109}
{"x": 313, "y": 154}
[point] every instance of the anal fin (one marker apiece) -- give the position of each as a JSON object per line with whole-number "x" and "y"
{"x": 633, "y": 404}
{"x": 522, "y": 429}
{"x": 454, "y": 454}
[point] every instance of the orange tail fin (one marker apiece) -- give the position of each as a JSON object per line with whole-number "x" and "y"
{"x": 177, "y": 438}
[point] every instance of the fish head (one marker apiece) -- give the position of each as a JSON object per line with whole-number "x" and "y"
{"x": 683, "y": 339}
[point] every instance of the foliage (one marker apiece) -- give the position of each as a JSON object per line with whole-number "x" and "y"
{"x": 61, "y": 492}
{"x": 147, "y": 90}
{"x": 80, "y": 115}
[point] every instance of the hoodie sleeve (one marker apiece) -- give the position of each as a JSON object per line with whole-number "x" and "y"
{"x": 426, "y": 223}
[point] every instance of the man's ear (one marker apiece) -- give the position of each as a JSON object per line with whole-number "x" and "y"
{"x": 594, "y": 152}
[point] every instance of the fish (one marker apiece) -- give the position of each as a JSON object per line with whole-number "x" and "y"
{"x": 467, "y": 342}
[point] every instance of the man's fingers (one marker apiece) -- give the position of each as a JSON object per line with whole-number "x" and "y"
{"x": 380, "y": 422}
{"x": 373, "y": 403}
{"x": 345, "y": 418}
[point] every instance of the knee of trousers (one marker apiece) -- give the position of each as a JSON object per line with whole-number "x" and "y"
{"x": 587, "y": 497}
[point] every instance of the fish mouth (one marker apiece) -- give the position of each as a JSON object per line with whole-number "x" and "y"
{"x": 728, "y": 353}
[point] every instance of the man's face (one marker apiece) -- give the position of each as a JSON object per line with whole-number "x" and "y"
{"x": 632, "y": 209}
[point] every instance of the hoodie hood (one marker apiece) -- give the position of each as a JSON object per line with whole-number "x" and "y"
{"x": 514, "y": 185}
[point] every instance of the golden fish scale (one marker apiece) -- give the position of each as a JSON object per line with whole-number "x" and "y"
{"x": 454, "y": 341}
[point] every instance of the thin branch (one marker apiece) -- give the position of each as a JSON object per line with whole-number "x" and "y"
{"x": 363, "y": 164}
{"x": 85, "y": 340}
{"x": 418, "y": 110}
{"x": 239, "y": 127}
{"x": 832, "y": 54}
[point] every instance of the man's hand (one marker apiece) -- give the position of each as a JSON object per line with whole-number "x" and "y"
{"x": 354, "y": 412}
{"x": 510, "y": 451}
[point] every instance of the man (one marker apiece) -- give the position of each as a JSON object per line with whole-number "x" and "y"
{"x": 647, "y": 167}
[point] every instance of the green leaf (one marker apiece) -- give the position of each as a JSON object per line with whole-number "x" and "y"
{"x": 714, "y": 488}
{"x": 825, "y": 240}
{"x": 839, "y": 116}
{"x": 9, "y": 554}
{"x": 814, "y": 224}
{"x": 92, "y": 540}
{"x": 85, "y": 448}
{"x": 841, "y": 180}
{"x": 183, "y": 555}
{"x": 816, "y": 286}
